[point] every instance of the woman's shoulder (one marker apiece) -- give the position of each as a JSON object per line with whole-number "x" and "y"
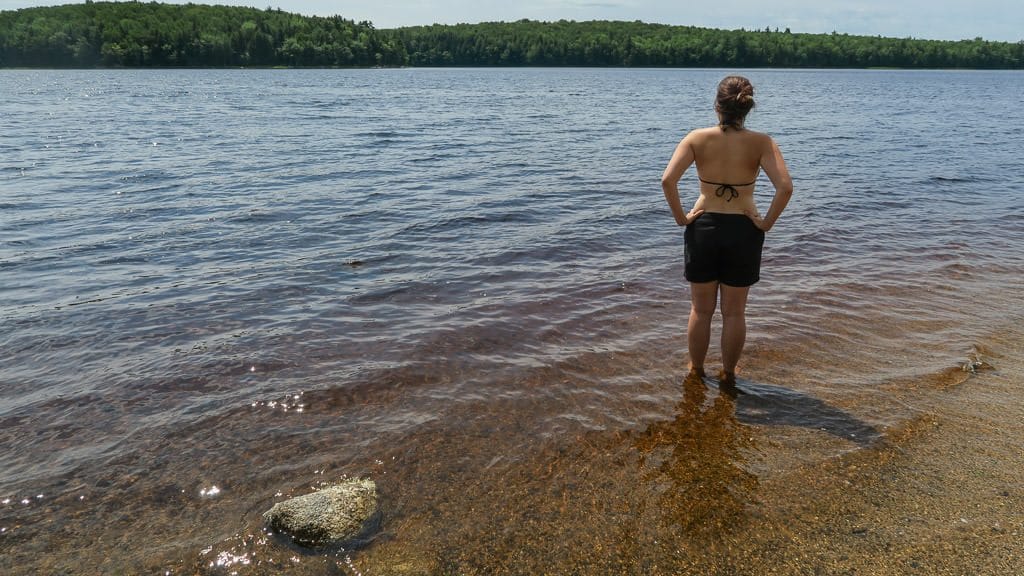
{"x": 717, "y": 131}
{"x": 759, "y": 140}
{"x": 756, "y": 135}
{"x": 702, "y": 134}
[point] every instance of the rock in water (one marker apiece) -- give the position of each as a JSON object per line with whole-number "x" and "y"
{"x": 332, "y": 514}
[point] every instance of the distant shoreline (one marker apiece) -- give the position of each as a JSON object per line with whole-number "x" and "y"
{"x": 485, "y": 67}
{"x": 153, "y": 35}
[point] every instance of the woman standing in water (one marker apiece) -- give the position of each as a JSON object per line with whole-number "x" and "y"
{"x": 724, "y": 230}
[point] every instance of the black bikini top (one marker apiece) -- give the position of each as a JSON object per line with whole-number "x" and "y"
{"x": 723, "y": 188}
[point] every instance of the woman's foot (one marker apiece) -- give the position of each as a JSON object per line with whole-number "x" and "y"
{"x": 727, "y": 384}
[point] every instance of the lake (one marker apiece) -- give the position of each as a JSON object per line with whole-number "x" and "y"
{"x": 224, "y": 287}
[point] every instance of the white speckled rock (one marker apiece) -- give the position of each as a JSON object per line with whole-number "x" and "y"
{"x": 332, "y": 514}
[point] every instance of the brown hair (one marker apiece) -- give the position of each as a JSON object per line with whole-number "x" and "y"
{"x": 735, "y": 98}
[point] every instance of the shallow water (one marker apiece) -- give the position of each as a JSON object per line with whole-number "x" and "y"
{"x": 465, "y": 284}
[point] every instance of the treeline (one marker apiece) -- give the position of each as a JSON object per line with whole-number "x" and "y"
{"x": 601, "y": 43}
{"x": 115, "y": 34}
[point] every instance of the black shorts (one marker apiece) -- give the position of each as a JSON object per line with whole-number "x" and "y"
{"x": 724, "y": 248}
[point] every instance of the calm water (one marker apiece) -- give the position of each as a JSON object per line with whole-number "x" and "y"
{"x": 221, "y": 287}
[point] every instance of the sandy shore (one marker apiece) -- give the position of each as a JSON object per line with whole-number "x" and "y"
{"x": 942, "y": 494}
{"x": 939, "y": 493}
{"x": 762, "y": 483}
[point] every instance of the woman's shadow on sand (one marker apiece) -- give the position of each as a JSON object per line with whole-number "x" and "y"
{"x": 769, "y": 405}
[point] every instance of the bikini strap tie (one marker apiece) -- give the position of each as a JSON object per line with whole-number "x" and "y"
{"x": 723, "y": 188}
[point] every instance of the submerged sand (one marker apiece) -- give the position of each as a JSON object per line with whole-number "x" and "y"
{"x": 716, "y": 490}
{"x": 765, "y": 482}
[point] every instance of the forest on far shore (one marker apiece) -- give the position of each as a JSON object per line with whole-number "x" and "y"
{"x": 136, "y": 34}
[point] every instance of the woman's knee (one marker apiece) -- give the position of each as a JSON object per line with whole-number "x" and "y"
{"x": 733, "y": 314}
{"x": 703, "y": 299}
{"x": 734, "y": 303}
{"x": 702, "y": 310}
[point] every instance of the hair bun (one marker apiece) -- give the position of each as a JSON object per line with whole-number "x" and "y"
{"x": 734, "y": 99}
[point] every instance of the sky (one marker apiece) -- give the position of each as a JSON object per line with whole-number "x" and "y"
{"x": 1001, "y": 20}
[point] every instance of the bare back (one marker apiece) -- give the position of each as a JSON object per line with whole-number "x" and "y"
{"x": 728, "y": 162}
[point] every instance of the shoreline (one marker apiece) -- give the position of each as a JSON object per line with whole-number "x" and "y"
{"x": 937, "y": 493}
{"x": 773, "y": 481}
{"x": 531, "y": 67}
{"x": 711, "y": 484}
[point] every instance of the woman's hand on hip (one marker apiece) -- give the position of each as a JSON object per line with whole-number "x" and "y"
{"x": 757, "y": 220}
{"x": 689, "y": 218}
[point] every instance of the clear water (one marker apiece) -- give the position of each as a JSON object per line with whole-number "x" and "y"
{"x": 466, "y": 285}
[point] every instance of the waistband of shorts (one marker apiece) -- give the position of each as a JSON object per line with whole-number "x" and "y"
{"x": 724, "y": 215}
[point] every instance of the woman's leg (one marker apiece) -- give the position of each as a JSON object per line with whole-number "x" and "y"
{"x": 703, "y": 298}
{"x": 734, "y": 327}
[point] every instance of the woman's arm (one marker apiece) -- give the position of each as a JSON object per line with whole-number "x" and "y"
{"x": 681, "y": 160}
{"x": 775, "y": 167}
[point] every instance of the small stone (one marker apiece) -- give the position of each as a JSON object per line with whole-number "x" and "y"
{"x": 335, "y": 513}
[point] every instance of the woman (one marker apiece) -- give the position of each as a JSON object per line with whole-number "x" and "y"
{"x": 724, "y": 230}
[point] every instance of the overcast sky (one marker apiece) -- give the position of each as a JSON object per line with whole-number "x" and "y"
{"x": 931, "y": 19}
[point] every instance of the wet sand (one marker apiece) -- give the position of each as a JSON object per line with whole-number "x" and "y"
{"x": 727, "y": 485}
{"x": 767, "y": 481}
{"x": 707, "y": 494}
